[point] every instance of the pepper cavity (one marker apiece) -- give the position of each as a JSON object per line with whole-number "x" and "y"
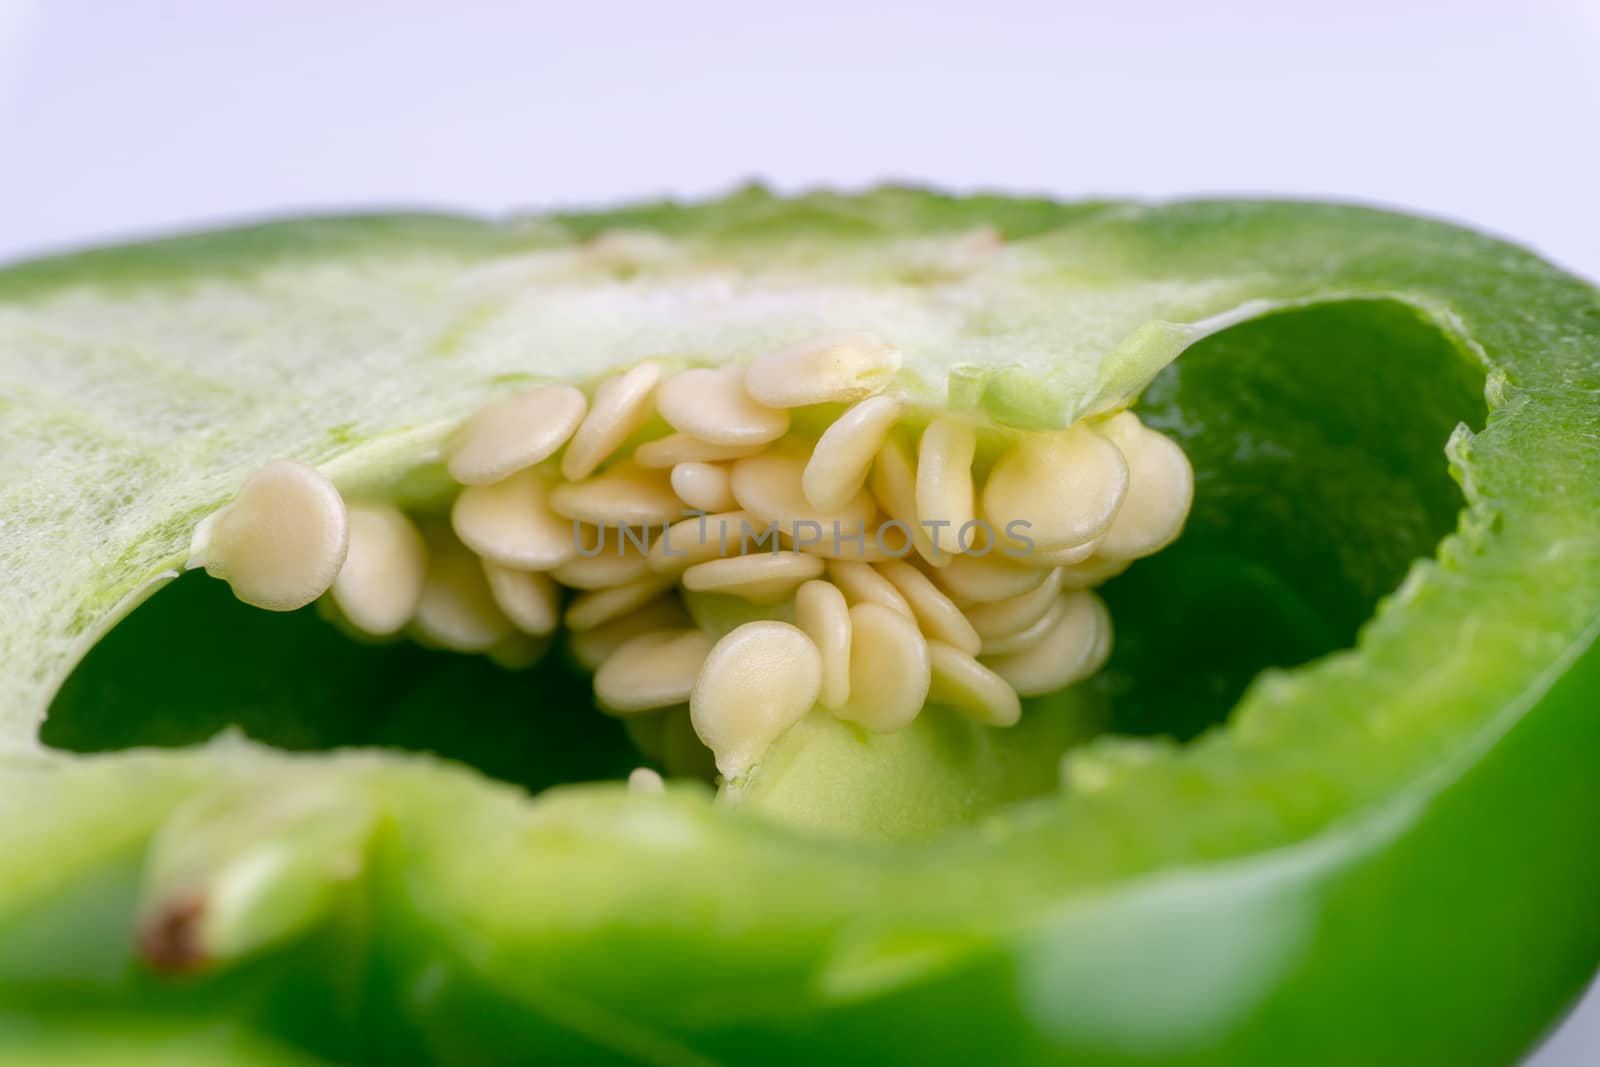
{"x": 739, "y": 566}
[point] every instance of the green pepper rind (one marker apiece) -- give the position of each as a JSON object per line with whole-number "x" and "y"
{"x": 1374, "y": 919}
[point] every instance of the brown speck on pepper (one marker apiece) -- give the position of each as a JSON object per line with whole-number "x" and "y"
{"x": 170, "y": 939}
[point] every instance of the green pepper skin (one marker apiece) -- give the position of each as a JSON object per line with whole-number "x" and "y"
{"x": 1388, "y": 856}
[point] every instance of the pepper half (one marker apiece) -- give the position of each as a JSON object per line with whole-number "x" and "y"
{"x": 1386, "y": 853}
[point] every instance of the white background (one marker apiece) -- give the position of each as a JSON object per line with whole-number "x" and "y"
{"x": 122, "y": 117}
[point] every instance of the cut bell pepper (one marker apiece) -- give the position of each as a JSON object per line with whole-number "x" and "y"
{"x": 1386, "y": 853}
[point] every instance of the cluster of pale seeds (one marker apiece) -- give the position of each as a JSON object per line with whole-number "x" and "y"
{"x": 793, "y": 535}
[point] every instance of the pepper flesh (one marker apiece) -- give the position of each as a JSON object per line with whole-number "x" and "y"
{"x": 1229, "y": 901}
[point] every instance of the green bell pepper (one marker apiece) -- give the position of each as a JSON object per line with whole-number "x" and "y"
{"x": 1338, "y": 807}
